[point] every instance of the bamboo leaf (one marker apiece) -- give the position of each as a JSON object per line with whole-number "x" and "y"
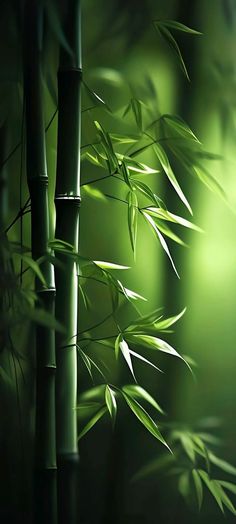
{"x": 144, "y": 418}
{"x": 164, "y": 161}
{"x": 198, "y": 487}
{"x": 228, "y": 485}
{"x": 109, "y": 265}
{"x": 126, "y": 175}
{"x": 32, "y": 264}
{"x": 86, "y": 361}
{"x": 124, "y": 139}
{"x": 94, "y": 96}
{"x": 161, "y": 239}
{"x": 95, "y": 393}
{"x": 93, "y": 421}
{"x": 136, "y": 106}
{"x": 94, "y": 192}
{"x": 136, "y": 391}
{"x": 132, "y": 218}
{"x": 222, "y": 464}
{"x": 168, "y": 37}
{"x": 212, "y": 486}
{"x": 172, "y": 24}
{"x": 111, "y": 403}
{"x": 179, "y": 125}
{"x": 163, "y": 214}
{"x": 162, "y": 325}
{"x": 146, "y": 190}
{"x": 184, "y": 484}
{"x": 42, "y": 317}
{"x": 154, "y": 343}
{"x": 121, "y": 345}
{"x": 140, "y": 357}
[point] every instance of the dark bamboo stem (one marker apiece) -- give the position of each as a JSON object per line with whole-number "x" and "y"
{"x": 45, "y": 438}
{"x": 67, "y": 201}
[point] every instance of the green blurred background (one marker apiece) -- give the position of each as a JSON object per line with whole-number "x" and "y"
{"x": 120, "y": 51}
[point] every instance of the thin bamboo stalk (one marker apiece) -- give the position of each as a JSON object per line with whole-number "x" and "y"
{"x": 45, "y": 434}
{"x": 67, "y": 202}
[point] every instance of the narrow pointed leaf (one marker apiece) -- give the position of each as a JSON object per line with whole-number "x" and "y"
{"x": 132, "y": 218}
{"x": 164, "y": 161}
{"x": 109, "y": 265}
{"x": 168, "y": 37}
{"x": 172, "y": 24}
{"x": 144, "y": 418}
{"x": 154, "y": 343}
{"x": 212, "y": 486}
{"x": 140, "y": 357}
{"x": 136, "y": 391}
{"x": 163, "y": 214}
{"x": 93, "y": 421}
{"x": 111, "y": 402}
{"x": 161, "y": 239}
{"x": 198, "y": 487}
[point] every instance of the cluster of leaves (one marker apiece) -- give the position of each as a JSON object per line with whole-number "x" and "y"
{"x": 195, "y": 466}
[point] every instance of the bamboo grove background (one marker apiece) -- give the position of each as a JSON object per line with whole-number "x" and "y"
{"x": 121, "y": 53}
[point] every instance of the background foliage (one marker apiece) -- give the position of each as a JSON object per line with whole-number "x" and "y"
{"x": 139, "y": 65}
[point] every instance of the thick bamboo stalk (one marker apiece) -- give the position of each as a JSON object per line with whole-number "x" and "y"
{"x": 67, "y": 202}
{"x": 45, "y": 437}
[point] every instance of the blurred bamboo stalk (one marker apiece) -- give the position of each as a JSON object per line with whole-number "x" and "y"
{"x": 45, "y": 434}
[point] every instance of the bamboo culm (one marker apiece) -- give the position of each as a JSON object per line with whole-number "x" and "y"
{"x": 45, "y": 434}
{"x": 67, "y": 202}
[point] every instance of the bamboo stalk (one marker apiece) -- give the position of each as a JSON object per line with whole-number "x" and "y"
{"x": 45, "y": 437}
{"x": 67, "y": 202}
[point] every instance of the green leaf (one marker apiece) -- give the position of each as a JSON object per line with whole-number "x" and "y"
{"x": 123, "y": 139}
{"x": 42, "y": 317}
{"x": 108, "y": 148}
{"x": 121, "y": 345}
{"x": 93, "y": 421}
{"x": 32, "y": 264}
{"x": 179, "y": 125}
{"x": 161, "y": 239}
{"x": 86, "y": 361}
{"x": 222, "y": 464}
{"x": 155, "y": 466}
{"x": 216, "y": 489}
{"x": 172, "y": 24}
{"x": 109, "y": 265}
{"x": 144, "y": 418}
{"x": 125, "y": 172}
{"x": 140, "y": 357}
{"x": 228, "y": 485}
{"x": 184, "y": 484}
{"x": 94, "y": 192}
{"x": 95, "y": 393}
{"x": 186, "y": 442}
{"x": 133, "y": 218}
{"x": 111, "y": 402}
{"x": 136, "y": 106}
{"x": 146, "y": 190}
{"x": 164, "y": 161}
{"x": 154, "y": 343}
{"x": 163, "y": 214}
{"x": 162, "y": 325}
{"x": 166, "y": 34}
{"x": 94, "y": 96}
{"x": 136, "y": 391}
{"x": 132, "y": 294}
{"x": 212, "y": 486}
{"x": 198, "y": 487}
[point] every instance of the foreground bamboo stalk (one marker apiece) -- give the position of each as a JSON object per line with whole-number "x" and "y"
{"x": 67, "y": 201}
{"x": 45, "y": 438}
